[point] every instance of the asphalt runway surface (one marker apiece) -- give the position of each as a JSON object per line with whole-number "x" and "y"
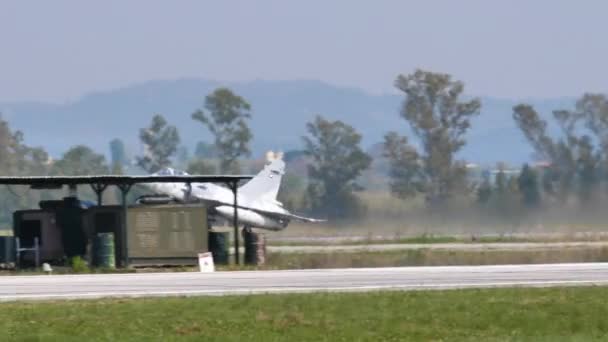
{"x": 58, "y": 287}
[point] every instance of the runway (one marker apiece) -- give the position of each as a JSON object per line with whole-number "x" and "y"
{"x": 58, "y": 287}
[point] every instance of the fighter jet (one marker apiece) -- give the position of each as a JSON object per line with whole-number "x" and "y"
{"x": 257, "y": 205}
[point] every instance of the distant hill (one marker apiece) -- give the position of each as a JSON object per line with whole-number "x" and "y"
{"x": 280, "y": 112}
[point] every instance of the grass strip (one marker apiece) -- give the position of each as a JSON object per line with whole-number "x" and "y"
{"x": 556, "y": 314}
{"x": 434, "y": 257}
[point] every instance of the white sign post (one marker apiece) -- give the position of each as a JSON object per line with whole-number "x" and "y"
{"x": 205, "y": 262}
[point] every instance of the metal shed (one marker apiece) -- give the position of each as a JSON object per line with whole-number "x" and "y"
{"x": 100, "y": 183}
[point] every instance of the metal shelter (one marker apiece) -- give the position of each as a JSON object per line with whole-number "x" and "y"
{"x": 100, "y": 183}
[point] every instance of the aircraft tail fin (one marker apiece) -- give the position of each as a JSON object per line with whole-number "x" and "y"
{"x": 265, "y": 184}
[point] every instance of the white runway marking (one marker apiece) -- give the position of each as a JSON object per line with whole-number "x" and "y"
{"x": 57, "y": 287}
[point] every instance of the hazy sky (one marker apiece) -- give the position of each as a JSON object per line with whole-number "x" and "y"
{"x": 59, "y": 50}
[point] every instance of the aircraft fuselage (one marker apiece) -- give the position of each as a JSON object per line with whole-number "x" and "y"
{"x": 212, "y": 193}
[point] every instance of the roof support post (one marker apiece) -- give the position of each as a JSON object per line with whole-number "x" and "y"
{"x": 72, "y": 190}
{"x": 99, "y": 189}
{"x": 124, "y": 189}
{"x": 235, "y": 221}
{"x": 188, "y": 193}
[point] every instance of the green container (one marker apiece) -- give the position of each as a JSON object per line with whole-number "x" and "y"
{"x": 7, "y": 249}
{"x": 218, "y": 246}
{"x": 103, "y": 251}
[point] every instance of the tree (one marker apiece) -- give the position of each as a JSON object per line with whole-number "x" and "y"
{"x": 200, "y": 167}
{"x": 205, "y": 150}
{"x": 548, "y": 181}
{"x": 11, "y": 150}
{"x": 534, "y": 129}
{"x": 293, "y": 190}
{"x": 593, "y": 168}
{"x": 484, "y": 191}
{"x": 337, "y": 161}
{"x": 500, "y": 183}
{"x": 160, "y": 142}
{"x": 81, "y": 160}
{"x": 528, "y": 187}
{"x": 182, "y": 157}
{"x": 226, "y": 118}
{"x": 439, "y": 119}
{"x": 406, "y": 169}
{"x": 573, "y": 157}
{"x": 38, "y": 160}
{"x": 587, "y": 169}
{"x": 593, "y": 109}
{"x": 18, "y": 159}
{"x": 557, "y": 180}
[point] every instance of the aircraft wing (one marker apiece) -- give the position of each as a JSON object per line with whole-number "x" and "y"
{"x": 280, "y": 215}
{"x": 302, "y": 218}
{"x": 213, "y": 203}
{"x": 286, "y": 215}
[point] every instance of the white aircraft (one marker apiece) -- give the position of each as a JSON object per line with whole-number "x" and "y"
{"x": 257, "y": 199}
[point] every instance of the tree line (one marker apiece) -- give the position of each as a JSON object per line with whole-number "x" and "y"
{"x": 422, "y": 164}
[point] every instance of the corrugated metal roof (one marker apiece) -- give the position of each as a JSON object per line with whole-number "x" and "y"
{"x": 119, "y": 180}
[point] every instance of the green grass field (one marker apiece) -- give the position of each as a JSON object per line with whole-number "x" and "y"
{"x": 562, "y": 314}
{"x": 418, "y": 239}
{"x": 433, "y": 257}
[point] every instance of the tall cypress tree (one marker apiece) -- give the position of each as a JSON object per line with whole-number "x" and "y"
{"x": 528, "y": 186}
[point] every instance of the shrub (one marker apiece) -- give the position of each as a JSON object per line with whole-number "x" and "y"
{"x": 79, "y": 265}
